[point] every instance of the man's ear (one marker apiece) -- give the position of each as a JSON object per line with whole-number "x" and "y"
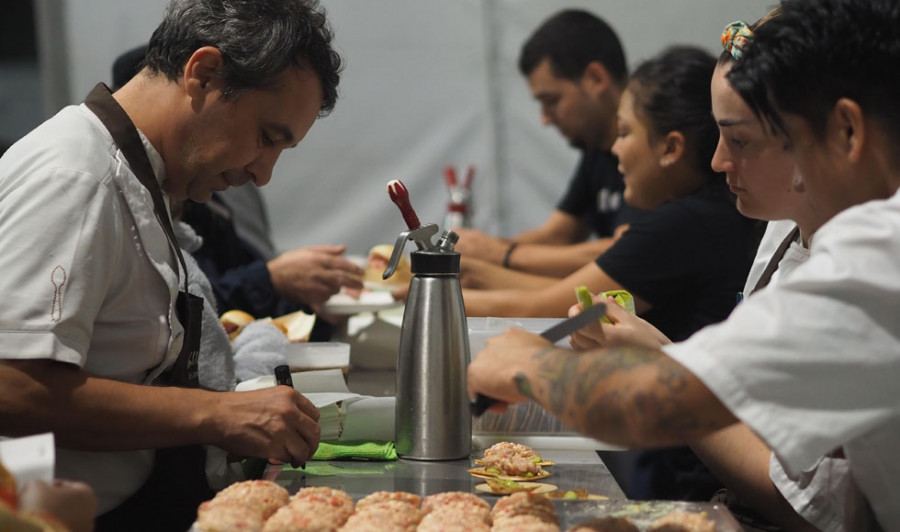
{"x": 846, "y": 127}
{"x": 671, "y": 148}
{"x": 596, "y": 78}
{"x": 201, "y": 72}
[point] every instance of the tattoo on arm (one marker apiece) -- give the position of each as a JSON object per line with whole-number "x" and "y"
{"x": 523, "y": 386}
{"x": 607, "y": 395}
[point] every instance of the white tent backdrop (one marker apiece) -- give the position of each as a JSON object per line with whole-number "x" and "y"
{"x": 426, "y": 84}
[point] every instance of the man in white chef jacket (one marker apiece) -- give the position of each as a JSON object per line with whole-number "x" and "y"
{"x": 92, "y": 328}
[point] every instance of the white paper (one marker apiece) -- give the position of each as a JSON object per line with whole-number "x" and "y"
{"x": 343, "y": 415}
{"x": 305, "y": 382}
{"x": 29, "y": 458}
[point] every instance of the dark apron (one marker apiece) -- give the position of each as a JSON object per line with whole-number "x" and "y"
{"x": 772, "y": 266}
{"x": 177, "y": 483}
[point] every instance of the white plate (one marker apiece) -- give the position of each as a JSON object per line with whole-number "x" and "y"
{"x": 382, "y": 287}
{"x": 368, "y": 302}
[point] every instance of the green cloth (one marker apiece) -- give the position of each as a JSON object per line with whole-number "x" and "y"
{"x": 347, "y": 450}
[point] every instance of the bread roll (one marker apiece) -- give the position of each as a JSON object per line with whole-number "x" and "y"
{"x": 297, "y": 326}
{"x": 377, "y": 262}
{"x": 234, "y": 321}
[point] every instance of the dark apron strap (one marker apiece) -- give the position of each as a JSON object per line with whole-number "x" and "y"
{"x": 772, "y": 266}
{"x": 188, "y": 308}
{"x": 177, "y": 483}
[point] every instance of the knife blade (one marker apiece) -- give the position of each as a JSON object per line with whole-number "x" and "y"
{"x": 554, "y": 334}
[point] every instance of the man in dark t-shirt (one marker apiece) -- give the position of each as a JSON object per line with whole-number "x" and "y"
{"x": 576, "y": 70}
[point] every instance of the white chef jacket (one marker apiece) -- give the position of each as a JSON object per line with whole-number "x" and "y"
{"x": 820, "y": 494}
{"x": 812, "y": 363}
{"x": 88, "y": 275}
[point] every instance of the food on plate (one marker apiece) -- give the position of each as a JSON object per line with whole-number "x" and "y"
{"x": 377, "y": 262}
{"x": 513, "y": 459}
{"x": 458, "y": 500}
{"x": 382, "y": 496}
{"x": 606, "y": 524}
{"x": 234, "y": 321}
{"x": 262, "y": 496}
{"x": 482, "y": 472}
{"x": 225, "y": 516}
{"x": 525, "y": 504}
{"x": 321, "y": 499}
{"x": 453, "y": 503}
{"x": 8, "y": 490}
{"x": 578, "y": 494}
{"x": 679, "y": 521}
{"x": 15, "y": 519}
{"x": 303, "y": 516}
{"x": 451, "y": 520}
{"x": 500, "y": 486}
{"x": 297, "y": 326}
{"x": 386, "y": 515}
{"x": 523, "y": 523}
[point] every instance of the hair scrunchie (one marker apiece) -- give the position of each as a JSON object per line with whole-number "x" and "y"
{"x": 735, "y": 38}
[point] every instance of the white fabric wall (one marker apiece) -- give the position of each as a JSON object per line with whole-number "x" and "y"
{"x": 426, "y": 84}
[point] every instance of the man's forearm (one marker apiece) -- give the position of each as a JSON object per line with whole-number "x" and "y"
{"x": 90, "y": 413}
{"x": 557, "y": 260}
{"x": 634, "y": 397}
{"x": 483, "y": 275}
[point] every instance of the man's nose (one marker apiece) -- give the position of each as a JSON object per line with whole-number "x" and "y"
{"x": 262, "y": 167}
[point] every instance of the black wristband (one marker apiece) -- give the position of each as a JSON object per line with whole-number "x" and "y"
{"x": 508, "y": 254}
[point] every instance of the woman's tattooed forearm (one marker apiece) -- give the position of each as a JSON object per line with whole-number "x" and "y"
{"x": 580, "y": 388}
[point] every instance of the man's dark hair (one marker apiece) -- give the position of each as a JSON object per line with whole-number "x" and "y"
{"x": 671, "y": 91}
{"x": 127, "y": 65}
{"x": 572, "y": 39}
{"x": 258, "y": 39}
{"x": 814, "y": 53}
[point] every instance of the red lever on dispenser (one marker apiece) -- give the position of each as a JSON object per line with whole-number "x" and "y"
{"x": 400, "y": 196}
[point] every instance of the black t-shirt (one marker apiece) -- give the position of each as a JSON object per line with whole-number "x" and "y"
{"x": 595, "y": 194}
{"x": 688, "y": 258}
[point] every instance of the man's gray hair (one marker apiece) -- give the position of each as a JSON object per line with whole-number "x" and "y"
{"x": 258, "y": 39}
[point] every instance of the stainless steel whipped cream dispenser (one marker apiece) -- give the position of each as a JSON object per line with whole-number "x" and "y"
{"x": 432, "y": 416}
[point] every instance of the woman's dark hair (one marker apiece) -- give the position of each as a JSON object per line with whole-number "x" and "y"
{"x": 258, "y": 39}
{"x": 815, "y": 53}
{"x": 572, "y": 39}
{"x": 671, "y": 91}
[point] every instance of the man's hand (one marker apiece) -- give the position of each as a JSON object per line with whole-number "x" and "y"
{"x": 503, "y": 370}
{"x": 626, "y": 329}
{"x": 475, "y": 244}
{"x": 313, "y": 274}
{"x": 275, "y": 423}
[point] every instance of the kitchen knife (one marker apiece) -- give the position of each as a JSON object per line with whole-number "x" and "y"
{"x": 552, "y": 335}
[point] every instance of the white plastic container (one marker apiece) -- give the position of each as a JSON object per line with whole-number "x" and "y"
{"x": 480, "y": 329}
{"x": 306, "y": 356}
